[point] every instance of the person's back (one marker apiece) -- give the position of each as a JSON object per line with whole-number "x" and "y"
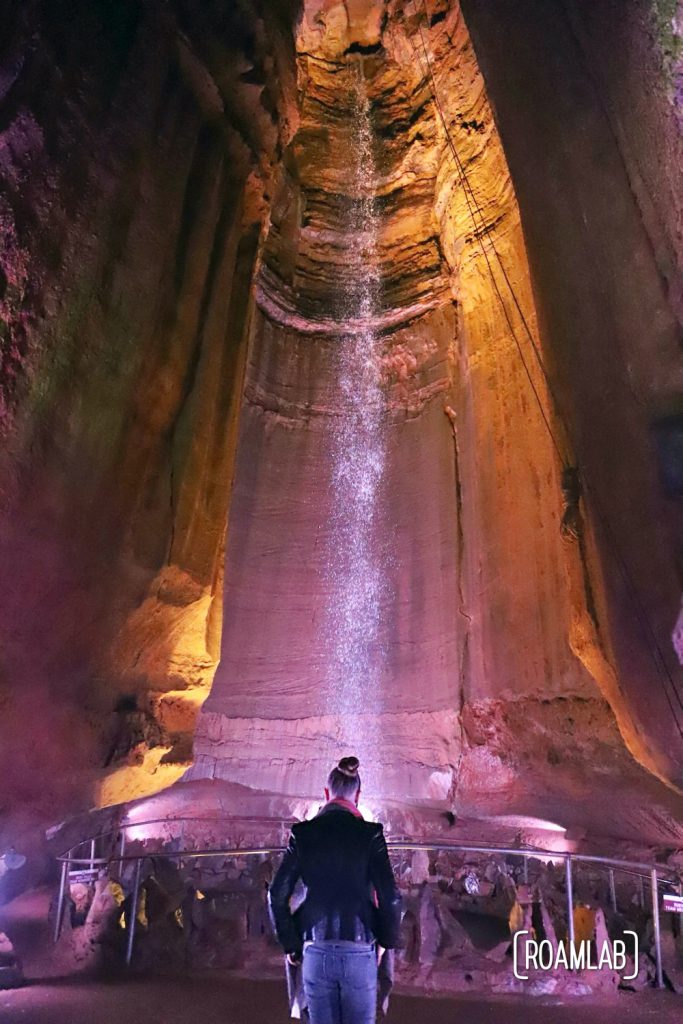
{"x": 351, "y": 903}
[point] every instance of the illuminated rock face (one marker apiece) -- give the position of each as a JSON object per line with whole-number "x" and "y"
{"x": 135, "y": 150}
{"x": 291, "y": 686}
{"x": 609, "y": 284}
{"x": 493, "y": 652}
{"x": 176, "y": 239}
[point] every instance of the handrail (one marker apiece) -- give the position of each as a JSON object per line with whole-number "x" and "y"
{"x": 118, "y": 829}
{"x": 527, "y": 851}
{"x": 639, "y": 868}
{"x": 396, "y": 844}
{"x": 233, "y": 851}
{"x": 628, "y": 866}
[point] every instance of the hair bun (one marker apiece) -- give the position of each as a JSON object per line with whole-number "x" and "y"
{"x": 349, "y": 766}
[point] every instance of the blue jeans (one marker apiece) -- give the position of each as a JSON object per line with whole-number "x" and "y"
{"x": 340, "y": 982}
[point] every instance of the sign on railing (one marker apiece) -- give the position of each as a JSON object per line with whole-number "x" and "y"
{"x": 83, "y": 876}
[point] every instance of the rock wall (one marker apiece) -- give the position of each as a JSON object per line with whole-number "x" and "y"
{"x": 526, "y": 628}
{"x": 459, "y": 913}
{"x": 173, "y": 181}
{"x": 595, "y": 184}
{"x": 473, "y": 479}
{"x": 135, "y": 151}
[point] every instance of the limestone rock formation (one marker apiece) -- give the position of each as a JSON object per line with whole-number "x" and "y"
{"x": 482, "y": 634}
{"x": 175, "y": 203}
{"x": 137, "y": 146}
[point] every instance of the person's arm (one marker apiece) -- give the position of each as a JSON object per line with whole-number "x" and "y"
{"x": 388, "y": 912}
{"x": 279, "y": 894}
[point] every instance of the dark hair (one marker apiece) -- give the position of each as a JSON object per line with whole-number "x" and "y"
{"x": 344, "y": 780}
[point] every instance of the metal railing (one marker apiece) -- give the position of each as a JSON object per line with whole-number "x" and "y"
{"x": 74, "y": 866}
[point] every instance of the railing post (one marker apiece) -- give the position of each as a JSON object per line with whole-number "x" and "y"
{"x": 60, "y": 898}
{"x": 92, "y": 856}
{"x": 655, "y": 922}
{"x": 612, "y": 890}
{"x": 570, "y": 899}
{"x": 133, "y": 913}
{"x": 526, "y": 869}
{"x": 122, "y": 851}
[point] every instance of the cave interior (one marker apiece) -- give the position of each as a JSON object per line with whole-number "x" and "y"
{"x": 178, "y": 184}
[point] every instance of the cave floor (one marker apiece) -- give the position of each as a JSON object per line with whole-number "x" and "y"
{"x": 240, "y": 1001}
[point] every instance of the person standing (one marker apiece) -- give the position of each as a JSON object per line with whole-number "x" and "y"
{"x": 352, "y": 903}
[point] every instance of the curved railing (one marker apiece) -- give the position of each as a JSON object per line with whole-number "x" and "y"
{"x": 90, "y": 866}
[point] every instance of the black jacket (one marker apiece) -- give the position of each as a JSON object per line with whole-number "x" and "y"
{"x": 343, "y": 861}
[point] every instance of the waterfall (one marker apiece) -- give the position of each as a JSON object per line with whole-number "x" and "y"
{"x": 357, "y": 572}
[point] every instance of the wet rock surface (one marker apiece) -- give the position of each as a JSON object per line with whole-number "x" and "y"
{"x": 173, "y": 221}
{"x": 501, "y": 677}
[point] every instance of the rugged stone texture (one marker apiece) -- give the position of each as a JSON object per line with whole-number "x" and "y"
{"x": 471, "y": 463}
{"x": 460, "y": 911}
{"x": 612, "y": 328}
{"x": 135, "y": 150}
{"x": 152, "y": 157}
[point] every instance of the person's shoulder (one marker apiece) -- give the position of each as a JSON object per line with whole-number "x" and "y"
{"x": 374, "y": 828}
{"x": 308, "y": 827}
{"x": 334, "y": 820}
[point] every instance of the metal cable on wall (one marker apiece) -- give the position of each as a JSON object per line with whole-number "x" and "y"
{"x": 482, "y": 228}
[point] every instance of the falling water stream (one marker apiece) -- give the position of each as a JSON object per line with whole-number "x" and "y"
{"x": 356, "y": 566}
